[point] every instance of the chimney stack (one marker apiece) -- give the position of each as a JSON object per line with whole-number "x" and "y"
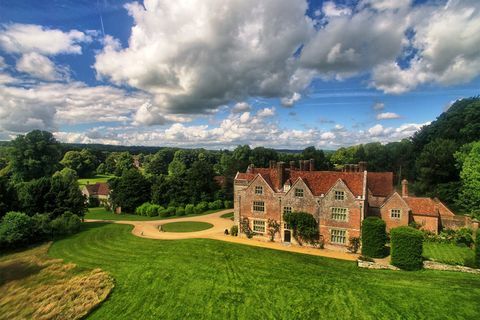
{"x": 362, "y": 165}
{"x": 292, "y": 165}
{"x": 404, "y": 188}
{"x": 280, "y": 174}
{"x": 312, "y": 164}
{"x": 251, "y": 168}
{"x": 300, "y": 162}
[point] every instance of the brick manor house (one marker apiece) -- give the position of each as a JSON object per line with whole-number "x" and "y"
{"x": 339, "y": 201}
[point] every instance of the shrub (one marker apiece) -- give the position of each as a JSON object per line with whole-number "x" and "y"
{"x": 273, "y": 228}
{"x": 215, "y": 205}
{"x": 189, "y": 209}
{"x": 67, "y": 223}
{"x": 163, "y": 213}
{"x": 15, "y": 230}
{"x": 234, "y": 231}
{"x": 153, "y": 210}
{"x": 201, "y": 207}
{"x": 180, "y": 211}
{"x": 93, "y": 202}
{"x": 245, "y": 228}
{"x": 374, "y": 237}
{"x": 227, "y": 204}
{"x": 142, "y": 210}
{"x": 304, "y": 226}
{"x": 464, "y": 236}
{"x": 406, "y": 248}
{"x": 354, "y": 244}
{"x": 477, "y": 250}
{"x": 41, "y": 226}
{"x": 171, "y": 211}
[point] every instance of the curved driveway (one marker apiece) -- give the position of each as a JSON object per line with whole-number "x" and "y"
{"x": 149, "y": 229}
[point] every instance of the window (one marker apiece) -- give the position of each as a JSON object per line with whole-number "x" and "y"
{"x": 395, "y": 213}
{"x": 338, "y": 236}
{"x": 259, "y": 206}
{"x": 287, "y": 209}
{"x": 339, "y": 195}
{"x": 298, "y": 192}
{"x": 259, "y": 226}
{"x": 340, "y": 214}
{"x": 258, "y": 190}
{"x": 286, "y": 226}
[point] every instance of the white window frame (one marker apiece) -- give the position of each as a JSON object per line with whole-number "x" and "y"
{"x": 255, "y": 226}
{"x": 337, "y": 234}
{"x": 258, "y": 204}
{"x": 258, "y": 190}
{"x": 299, "y": 191}
{"x": 397, "y": 211}
{"x": 339, "y": 214}
{"x": 285, "y": 209}
{"x": 339, "y": 195}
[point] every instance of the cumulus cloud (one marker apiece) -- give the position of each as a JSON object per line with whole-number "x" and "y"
{"x": 290, "y": 101}
{"x": 387, "y": 116}
{"x": 41, "y": 67}
{"x": 332, "y": 10}
{"x": 24, "y": 38}
{"x": 191, "y": 60}
{"x": 241, "y": 107}
{"x": 266, "y": 112}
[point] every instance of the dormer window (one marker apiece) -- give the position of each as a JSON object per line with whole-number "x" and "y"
{"x": 259, "y": 190}
{"x": 339, "y": 195}
{"x": 395, "y": 213}
{"x": 298, "y": 193}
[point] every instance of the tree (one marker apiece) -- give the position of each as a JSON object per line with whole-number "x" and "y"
{"x": 130, "y": 190}
{"x": 304, "y": 226}
{"x": 34, "y": 155}
{"x": 469, "y": 161}
{"x": 199, "y": 183}
{"x": 117, "y": 162}
{"x": 8, "y": 196}
{"x": 261, "y": 156}
{"x": 317, "y": 155}
{"x": 158, "y": 163}
{"x": 83, "y": 162}
{"x": 66, "y": 194}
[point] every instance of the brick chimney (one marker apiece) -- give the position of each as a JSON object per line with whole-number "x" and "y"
{"x": 280, "y": 174}
{"x": 312, "y": 164}
{"x": 300, "y": 163}
{"x": 251, "y": 168}
{"x": 404, "y": 188}
{"x": 362, "y": 166}
{"x": 292, "y": 165}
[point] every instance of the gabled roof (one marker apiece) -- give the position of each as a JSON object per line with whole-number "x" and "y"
{"x": 380, "y": 183}
{"x": 98, "y": 189}
{"x": 320, "y": 182}
{"x": 422, "y": 206}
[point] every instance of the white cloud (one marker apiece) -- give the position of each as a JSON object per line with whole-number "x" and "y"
{"x": 332, "y": 10}
{"x": 379, "y": 106}
{"x": 388, "y": 4}
{"x": 191, "y": 60}
{"x": 266, "y": 112}
{"x": 387, "y": 115}
{"x": 241, "y": 107}
{"x": 41, "y": 67}
{"x": 24, "y": 38}
{"x": 290, "y": 101}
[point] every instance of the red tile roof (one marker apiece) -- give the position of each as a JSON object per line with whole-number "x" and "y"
{"x": 98, "y": 189}
{"x": 422, "y": 206}
{"x": 380, "y": 183}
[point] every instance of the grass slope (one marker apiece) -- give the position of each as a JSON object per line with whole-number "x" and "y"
{"x": 102, "y": 214}
{"x": 186, "y": 226}
{"x": 34, "y": 286}
{"x": 228, "y": 215}
{"x": 208, "y": 279}
{"x": 448, "y": 253}
{"x": 95, "y": 179}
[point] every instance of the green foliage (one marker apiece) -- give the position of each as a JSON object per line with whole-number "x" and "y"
{"x": 180, "y": 211}
{"x": 477, "y": 250}
{"x": 118, "y": 162}
{"x": 34, "y": 155}
{"x": 374, "y": 237}
{"x": 158, "y": 163}
{"x": 67, "y": 223}
{"x": 153, "y": 210}
{"x": 8, "y": 196}
{"x": 245, "y": 228}
{"x": 201, "y": 207}
{"x": 354, "y": 244}
{"x": 318, "y": 156}
{"x": 93, "y": 202}
{"x": 189, "y": 209}
{"x": 462, "y": 236}
{"x": 448, "y": 253}
{"x": 406, "y": 248}
{"x": 273, "y": 227}
{"x": 215, "y": 205}
{"x": 228, "y": 204}
{"x": 303, "y": 225}
{"x": 83, "y": 162}
{"x": 130, "y": 190}
{"x": 15, "y": 230}
{"x": 234, "y": 231}
{"x": 468, "y": 158}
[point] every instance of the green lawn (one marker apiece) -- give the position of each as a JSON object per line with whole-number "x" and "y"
{"x": 102, "y": 214}
{"x": 186, "y": 226}
{"x": 95, "y": 179}
{"x": 208, "y": 279}
{"x": 228, "y": 215}
{"x": 448, "y": 253}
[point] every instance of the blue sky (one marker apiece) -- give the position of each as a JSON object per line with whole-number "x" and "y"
{"x": 215, "y": 74}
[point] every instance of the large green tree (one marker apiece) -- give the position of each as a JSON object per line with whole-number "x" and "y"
{"x": 83, "y": 162}
{"x": 469, "y": 160}
{"x": 34, "y": 155}
{"x": 129, "y": 190}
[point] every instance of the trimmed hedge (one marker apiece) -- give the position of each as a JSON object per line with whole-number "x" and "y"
{"x": 180, "y": 211}
{"x": 189, "y": 209}
{"x": 215, "y": 205}
{"x": 228, "y": 204}
{"x": 406, "y": 248}
{"x": 477, "y": 249}
{"x": 374, "y": 237}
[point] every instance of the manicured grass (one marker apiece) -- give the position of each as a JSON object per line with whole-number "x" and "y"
{"x": 35, "y": 286}
{"x": 102, "y": 214}
{"x": 95, "y": 179}
{"x": 228, "y": 215}
{"x": 448, "y": 253}
{"x": 208, "y": 279}
{"x": 186, "y": 226}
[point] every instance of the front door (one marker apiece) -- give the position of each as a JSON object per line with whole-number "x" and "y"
{"x": 286, "y": 236}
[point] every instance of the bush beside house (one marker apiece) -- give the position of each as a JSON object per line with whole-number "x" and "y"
{"x": 477, "y": 250}
{"x": 374, "y": 237}
{"x": 406, "y": 248}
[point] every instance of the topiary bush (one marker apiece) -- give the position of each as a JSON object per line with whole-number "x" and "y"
{"x": 406, "y": 248}
{"x": 201, "y": 207}
{"x": 374, "y": 237}
{"x": 171, "y": 211}
{"x": 234, "y": 231}
{"x": 477, "y": 249}
{"x": 142, "y": 209}
{"x": 189, "y": 209}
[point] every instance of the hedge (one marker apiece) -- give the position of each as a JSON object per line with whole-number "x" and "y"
{"x": 201, "y": 207}
{"x": 406, "y": 248}
{"x": 374, "y": 237}
{"x": 215, "y": 205}
{"x": 189, "y": 209}
{"x": 180, "y": 211}
{"x": 477, "y": 249}
{"x": 228, "y": 204}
